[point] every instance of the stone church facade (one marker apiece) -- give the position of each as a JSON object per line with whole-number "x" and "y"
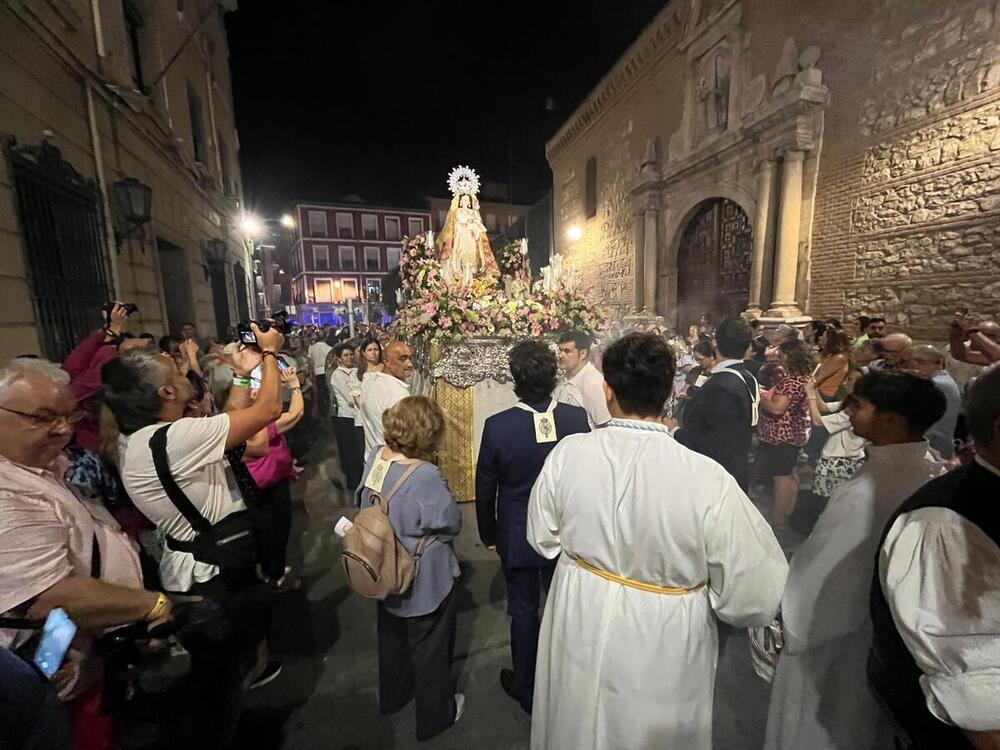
{"x": 792, "y": 161}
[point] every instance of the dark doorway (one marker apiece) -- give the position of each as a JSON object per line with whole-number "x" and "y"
{"x": 713, "y": 264}
{"x": 220, "y": 299}
{"x": 176, "y": 284}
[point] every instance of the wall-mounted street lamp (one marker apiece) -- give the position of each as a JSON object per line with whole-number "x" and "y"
{"x": 133, "y": 202}
{"x": 574, "y": 233}
{"x": 215, "y": 255}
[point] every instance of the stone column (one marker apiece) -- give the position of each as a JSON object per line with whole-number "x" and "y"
{"x": 787, "y": 252}
{"x": 765, "y": 181}
{"x": 650, "y": 252}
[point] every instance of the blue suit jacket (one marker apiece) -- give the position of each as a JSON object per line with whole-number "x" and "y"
{"x": 509, "y": 463}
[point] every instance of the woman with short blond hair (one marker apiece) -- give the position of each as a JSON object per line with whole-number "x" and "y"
{"x": 416, "y": 629}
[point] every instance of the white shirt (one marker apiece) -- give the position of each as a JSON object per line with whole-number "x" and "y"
{"x": 196, "y": 449}
{"x": 317, "y": 354}
{"x": 619, "y": 667}
{"x": 825, "y": 610}
{"x": 380, "y": 391}
{"x": 842, "y": 443}
{"x": 343, "y": 380}
{"x": 590, "y": 384}
{"x": 948, "y": 612}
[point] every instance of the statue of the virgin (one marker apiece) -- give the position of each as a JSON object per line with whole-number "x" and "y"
{"x": 463, "y": 244}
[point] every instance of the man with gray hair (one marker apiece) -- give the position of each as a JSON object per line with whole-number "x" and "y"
{"x": 927, "y": 361}
{"x": 58, "y": 549}
{"x": 891, "y": 348}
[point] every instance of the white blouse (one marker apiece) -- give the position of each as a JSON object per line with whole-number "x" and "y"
{"x": 941, "y": 575}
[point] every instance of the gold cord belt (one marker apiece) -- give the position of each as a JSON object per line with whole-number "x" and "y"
{"x": 650, "y": 588}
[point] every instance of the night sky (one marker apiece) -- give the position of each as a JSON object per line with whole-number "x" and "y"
{"x": 381, "y": 99}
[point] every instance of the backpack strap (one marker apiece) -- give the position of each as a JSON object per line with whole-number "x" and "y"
{"x": 158, "y": 446}
{"x": 399, "y": 483}
{"x": 754, "y": 393}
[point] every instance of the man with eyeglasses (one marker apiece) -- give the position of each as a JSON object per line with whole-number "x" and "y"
{"x": 52, "y": 540}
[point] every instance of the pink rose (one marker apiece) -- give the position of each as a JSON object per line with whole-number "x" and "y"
{"x": 444, "y": 322}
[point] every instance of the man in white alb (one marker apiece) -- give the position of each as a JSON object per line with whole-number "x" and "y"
{"x": 318, "y": 353}
{"x": 382, "y": 390}
{"x": 820, "y": 698}
{"x": 583, "y": 384}
{"x": 656, "y": 542}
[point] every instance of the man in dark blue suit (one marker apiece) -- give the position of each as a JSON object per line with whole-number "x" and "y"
{"x": 719, "y": 418}
{"x": 515, "y": 445}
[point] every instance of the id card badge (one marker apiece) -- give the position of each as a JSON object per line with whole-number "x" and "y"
{"x": 376, "y": 477}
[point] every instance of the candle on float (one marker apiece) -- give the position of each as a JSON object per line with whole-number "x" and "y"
{"x": 430, "y": 238}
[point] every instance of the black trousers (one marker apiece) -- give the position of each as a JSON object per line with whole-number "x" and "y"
{"x": 323, "y": 396}
{"x": 524, "y": 587}
{"x": 414, "y": 661}
{"x": 276, "y": 503}
{"x": 351, "y": 448}
{"x": 218, "y": 669}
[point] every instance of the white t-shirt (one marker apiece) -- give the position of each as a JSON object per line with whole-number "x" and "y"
{"x": 318, "y": 353}
{"x": 343, "y": 380}
{"x": 196, "y": 449}
{"x": 379, "y": 392}
{"x": 590, "y": 383}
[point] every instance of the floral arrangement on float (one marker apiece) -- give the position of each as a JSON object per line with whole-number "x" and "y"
{"x": 436, "y": 309}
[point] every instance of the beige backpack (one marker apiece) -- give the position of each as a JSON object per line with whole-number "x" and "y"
{"x": 376, "y": 564}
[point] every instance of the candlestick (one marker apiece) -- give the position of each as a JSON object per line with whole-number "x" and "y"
{"x": 430, "y": 238}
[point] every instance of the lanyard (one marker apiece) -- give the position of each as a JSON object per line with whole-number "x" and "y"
{"x": 545, "y": 423}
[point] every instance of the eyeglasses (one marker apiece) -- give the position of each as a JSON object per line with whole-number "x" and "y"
{"x": 40, "y": 420}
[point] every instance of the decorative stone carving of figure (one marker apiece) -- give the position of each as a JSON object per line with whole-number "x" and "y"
{"x": 788, "y": 67}
{"x": 713, "y": 94}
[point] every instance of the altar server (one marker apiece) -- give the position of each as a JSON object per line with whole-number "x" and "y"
{"x": 820, "y": 699}
{"x": 656, "y": 541}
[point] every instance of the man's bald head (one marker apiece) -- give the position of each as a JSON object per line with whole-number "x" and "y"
{"x": 398, "y": 359}
{"x": 922, "y": 359}
{"x": 893, "y": 347}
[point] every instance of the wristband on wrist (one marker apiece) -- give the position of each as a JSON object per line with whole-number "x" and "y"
{"x": 241, "y": 382}
{"x": 268, "y": 353}
{"x": 159, "y": 609}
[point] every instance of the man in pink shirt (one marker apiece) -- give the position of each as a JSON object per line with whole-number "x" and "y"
{"x": 51, "y": 540}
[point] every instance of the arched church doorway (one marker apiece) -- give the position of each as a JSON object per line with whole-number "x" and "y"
{"x": 713, "y": 263}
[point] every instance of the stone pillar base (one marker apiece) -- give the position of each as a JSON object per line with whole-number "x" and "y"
{"x": 769, "y": 323}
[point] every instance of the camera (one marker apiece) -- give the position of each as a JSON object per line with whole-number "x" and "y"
{"x": 130, "y": 307}
{"x": 279, "y": 322}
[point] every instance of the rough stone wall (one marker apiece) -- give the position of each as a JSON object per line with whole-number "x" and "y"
{"x": 908, "y": 211}
{"x": 908, "y": 192}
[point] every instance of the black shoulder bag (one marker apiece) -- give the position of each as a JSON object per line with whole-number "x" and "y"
{"x": 230, "y": 543}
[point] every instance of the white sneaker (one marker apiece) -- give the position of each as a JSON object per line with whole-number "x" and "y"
{"x": 459, "y": 707}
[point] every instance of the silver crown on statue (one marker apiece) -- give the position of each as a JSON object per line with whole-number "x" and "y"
{"x": 463, "y": 180}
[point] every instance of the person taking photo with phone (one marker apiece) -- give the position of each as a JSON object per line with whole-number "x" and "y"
{"x": 175, "y": 470}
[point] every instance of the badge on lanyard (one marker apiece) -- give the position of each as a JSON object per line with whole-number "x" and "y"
{"x": 545, "y": 423}
{"x": 545, "y": 427}
{"x": 376, "y": 477}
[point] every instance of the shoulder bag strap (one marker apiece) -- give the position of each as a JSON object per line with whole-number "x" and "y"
{"x": 158, "y": 445}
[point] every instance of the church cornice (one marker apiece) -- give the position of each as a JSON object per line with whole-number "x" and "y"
{"x": 661, "y": 37}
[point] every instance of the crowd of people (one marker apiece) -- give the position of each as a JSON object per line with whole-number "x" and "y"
{"x": 145, "y": 491}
